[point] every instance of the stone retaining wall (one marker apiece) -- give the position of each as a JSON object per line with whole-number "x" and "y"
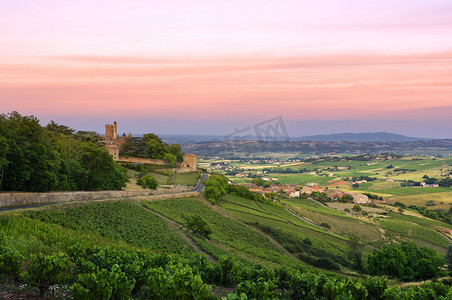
{"x": 140, "y": 160}
{"x": 11, "y": 199}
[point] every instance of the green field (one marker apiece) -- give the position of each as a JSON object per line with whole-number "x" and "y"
{"x": 184, "y": 178}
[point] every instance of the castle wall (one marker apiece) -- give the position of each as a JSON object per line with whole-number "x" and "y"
{"x": 140, "y": 160}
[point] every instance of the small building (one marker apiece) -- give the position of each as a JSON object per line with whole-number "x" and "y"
{"x": 190, "y": 162}
{"x": 360, "y": 198}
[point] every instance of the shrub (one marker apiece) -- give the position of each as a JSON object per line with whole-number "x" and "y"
{"x": 356, "y": 208}
{"x": 103, "y": 284}
{"x": 198, "y": 225}
{"x": 10, "y": 261}
{"x": 406, "y": 261}
{"x": 326, "y": 225}
{"x": 46, "y": 270}
{"x": 147, "y": 182}
{"x": 175, "y": 282}
{"x": 259, "y": 289}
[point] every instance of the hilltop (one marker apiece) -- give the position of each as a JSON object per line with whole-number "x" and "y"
{"x": 361, "y": 137}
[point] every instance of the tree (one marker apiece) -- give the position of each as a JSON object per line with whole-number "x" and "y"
{"x": 357, "y": 208}
{"x": 449, "y": 257}
{"x": 170, "y": 159}
{"x": 446, "y": 182}
{"x": 258, "y": 181}
{"x": 406, "y": 261}
{"x": 198, "y": 225}
{"x": 100, "y": 166}
{"x": 355, "y": 251}
{"x": 30, "y": 158}
{"x": 147, "y": 182}
{"x": 212, "y": 193}
{"x": 3, "y": 161}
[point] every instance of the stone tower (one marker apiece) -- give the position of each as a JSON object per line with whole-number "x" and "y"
{"x": 190, "y": 162}
{"x": 111, "y": 132}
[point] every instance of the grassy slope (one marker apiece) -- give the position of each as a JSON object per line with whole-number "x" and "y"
{"x": 227, "y": 232}
{"x": 184, "y": 178}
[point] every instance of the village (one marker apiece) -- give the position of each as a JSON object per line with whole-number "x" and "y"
{"x": 294, "y": 190}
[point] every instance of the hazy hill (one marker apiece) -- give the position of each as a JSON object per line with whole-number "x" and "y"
{"x": 361, "y": 137}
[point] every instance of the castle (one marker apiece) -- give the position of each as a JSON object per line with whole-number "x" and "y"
{"x": 113, "y": 144}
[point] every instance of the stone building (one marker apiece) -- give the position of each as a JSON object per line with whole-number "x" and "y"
{"x": 190, "y": 162}
{"x": 112, "y": 142}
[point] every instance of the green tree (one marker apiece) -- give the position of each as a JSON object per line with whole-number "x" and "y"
{"x": 147, "y": 182}
{"x": 449, "y": 257}
{"x": 176, "y": 150}
{"x": 355, "y": 247}
{"x": 100, "y": 166}
{"x": 406, "y": 261}
{"x": 258, "y": 181}
{"x": 212, "y": 193}
{"x": 170, "y": 159}
{"x": 389, "y": 261}
{"x": 356, "y": 208}
{"x": 30, "y": 158}
{"x": 198, "y": 225}
{"x": 3, "y": 161}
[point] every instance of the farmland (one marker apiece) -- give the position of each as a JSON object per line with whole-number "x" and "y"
{"x": 300, "y": 234}
{"x": 390, "y": 175}
{"x": 295, "y": 233}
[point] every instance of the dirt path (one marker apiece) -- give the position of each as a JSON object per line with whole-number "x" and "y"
{"x": 178, "y": 228}
{"x": 310, "y": 223}
{"x": 410, "y": 230}
{"x": 319, "y": 203}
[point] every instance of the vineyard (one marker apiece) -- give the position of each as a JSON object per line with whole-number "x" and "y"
{"x": 146, "y": 250}
{"x": 118, "y": 220}
{"x": 237, "y": 237}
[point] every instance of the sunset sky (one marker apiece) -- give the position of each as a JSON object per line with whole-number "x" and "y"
{"x": 208, "y": 67}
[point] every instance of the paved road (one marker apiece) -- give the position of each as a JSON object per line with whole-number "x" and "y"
{"x": 200, "y": 186}
{"x": 197, "y": 188}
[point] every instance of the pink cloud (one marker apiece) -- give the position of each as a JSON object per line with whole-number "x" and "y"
{"x": 243, "y": 86}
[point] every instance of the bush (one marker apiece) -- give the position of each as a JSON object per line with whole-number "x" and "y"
{"x": 10, "y": 261}
{"x": 400, "y": 204}
{"x": 375, "y": 286}
{"x": 212, "y": 194}
{"x": 357, "y": 208}
{"x": 43, "y": 271}
{"x": 170, "y": 159}
{"x": 327, "y": 263}
{"x": 198, "y": 225}
{"x": 103, "y": 284}
{"x": 175, "y": 282}
{"x": 259, "y": 289}
{"x": 147, "y": 182}
{"x": 406, "y": 261}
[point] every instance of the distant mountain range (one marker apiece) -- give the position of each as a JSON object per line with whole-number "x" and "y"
{"x": 337, "y": 137}
{"x": 361, "y": 137}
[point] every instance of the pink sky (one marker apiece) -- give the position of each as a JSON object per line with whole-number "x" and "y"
{"x": 233, "y": 61}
